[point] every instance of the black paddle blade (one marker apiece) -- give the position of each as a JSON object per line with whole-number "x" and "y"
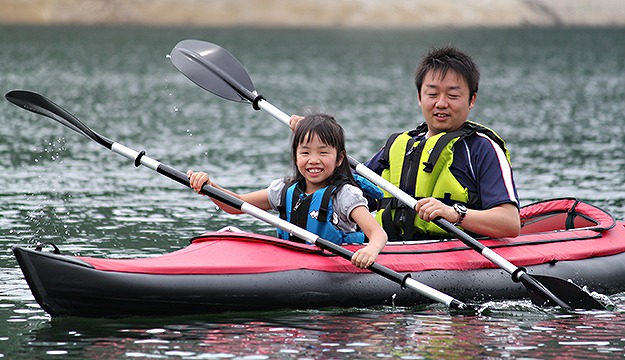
{"x": 41, "y": 105}
{"x": 214, "y": 69}
{"x": 566, "y": 291}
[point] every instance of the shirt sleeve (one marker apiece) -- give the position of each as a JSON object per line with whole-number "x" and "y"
{"x": 346, "y": 200}
{"x": 274, "y": 193}
{"x": 495, "y": 182}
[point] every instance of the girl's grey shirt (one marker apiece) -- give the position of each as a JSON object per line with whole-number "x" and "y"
{"x": 343, "y": 202}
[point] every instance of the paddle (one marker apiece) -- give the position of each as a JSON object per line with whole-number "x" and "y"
{"x": 216, "y": 70}
{"x": 39, "y": 104}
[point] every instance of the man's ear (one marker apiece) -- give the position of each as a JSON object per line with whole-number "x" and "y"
{"x": 472, "y": 102}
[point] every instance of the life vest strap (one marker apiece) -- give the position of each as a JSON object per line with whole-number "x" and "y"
{"x": 395, "y": 225}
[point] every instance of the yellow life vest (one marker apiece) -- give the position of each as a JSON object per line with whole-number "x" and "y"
{"x": 422, "y": 169}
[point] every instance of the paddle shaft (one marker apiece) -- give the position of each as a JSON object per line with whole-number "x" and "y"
{"x": 234, "y": 84}
{"x": 230, "y": 200}
{"x": 41, "y": 105}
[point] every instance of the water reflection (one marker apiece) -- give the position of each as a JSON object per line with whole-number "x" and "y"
{"x": 515, "y": 331}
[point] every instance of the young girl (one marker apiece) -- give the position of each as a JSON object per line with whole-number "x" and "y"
{"x": 320, "y": 168}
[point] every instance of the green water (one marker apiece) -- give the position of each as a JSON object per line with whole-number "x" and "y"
{"x": 556, "y": 95}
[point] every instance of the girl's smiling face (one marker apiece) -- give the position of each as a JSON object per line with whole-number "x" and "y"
{"x": 316, "y": 161}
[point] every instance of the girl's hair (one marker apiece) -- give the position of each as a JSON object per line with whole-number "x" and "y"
{"x": 330, "y": 133}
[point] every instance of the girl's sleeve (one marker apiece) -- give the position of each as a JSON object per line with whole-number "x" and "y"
{"x": 347, "y": 199}
{"x": 274, "y": 193}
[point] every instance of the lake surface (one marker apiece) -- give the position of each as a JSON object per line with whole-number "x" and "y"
{"x": 556, "y": 95}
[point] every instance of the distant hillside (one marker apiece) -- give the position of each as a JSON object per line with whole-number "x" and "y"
{"x": 339, "y": 13}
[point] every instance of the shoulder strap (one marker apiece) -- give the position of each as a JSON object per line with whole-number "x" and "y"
{"x": 387, "y": 148}
{"x": 325, "y": 203}
{"x": 282, "y": 207}
{"x": 442, "y": 142}
{"x": 327, "y": 196}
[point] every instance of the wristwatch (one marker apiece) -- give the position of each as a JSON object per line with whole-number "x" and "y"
{"x": 461, "y": 210}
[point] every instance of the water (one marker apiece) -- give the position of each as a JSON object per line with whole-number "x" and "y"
{"x": 556, "y": 95}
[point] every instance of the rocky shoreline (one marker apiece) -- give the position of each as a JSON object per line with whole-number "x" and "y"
{"x": 316, "y": 13}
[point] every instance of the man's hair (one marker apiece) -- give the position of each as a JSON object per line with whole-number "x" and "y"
{"x": 441, "y": 60}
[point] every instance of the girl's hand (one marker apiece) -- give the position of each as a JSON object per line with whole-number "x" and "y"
{"x": 364, "y": 257}
{"x": 198, "y": 179}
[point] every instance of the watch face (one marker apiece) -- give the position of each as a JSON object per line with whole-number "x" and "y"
{"x": 460, "y": 207}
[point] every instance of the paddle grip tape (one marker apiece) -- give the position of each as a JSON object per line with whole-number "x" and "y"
{"x": 515, "y": 274}
{"x": 256, "y": 101}
{"x": 138, "y": 158}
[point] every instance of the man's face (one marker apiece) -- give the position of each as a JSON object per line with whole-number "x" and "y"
{"x": 445, "y": 101}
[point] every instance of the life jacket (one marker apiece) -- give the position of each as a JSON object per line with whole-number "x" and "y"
{"x": 422, "y": 169}
{"x": 315, "y": 213}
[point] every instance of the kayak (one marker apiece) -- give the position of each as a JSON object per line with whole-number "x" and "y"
{"x": 232, "y": 270}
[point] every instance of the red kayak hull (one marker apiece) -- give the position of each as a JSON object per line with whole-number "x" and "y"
{"x": 234, "y": 271}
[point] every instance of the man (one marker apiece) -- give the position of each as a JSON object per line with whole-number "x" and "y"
{"x": 458, "y": 170}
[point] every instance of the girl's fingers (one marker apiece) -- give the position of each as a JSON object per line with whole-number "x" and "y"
{"x": 362, "y": 260}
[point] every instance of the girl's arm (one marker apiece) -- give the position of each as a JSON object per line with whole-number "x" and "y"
{"x": 364, "y": 257}
{"x": 257, "y": 198}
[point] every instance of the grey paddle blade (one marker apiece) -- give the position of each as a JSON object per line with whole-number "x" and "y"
{"x": 214, "y": 69}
